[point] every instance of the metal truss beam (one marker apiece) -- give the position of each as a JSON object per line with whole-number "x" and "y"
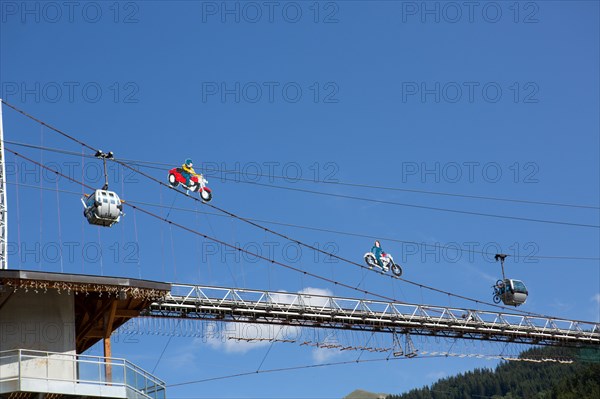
{"x": 280, "y": 308}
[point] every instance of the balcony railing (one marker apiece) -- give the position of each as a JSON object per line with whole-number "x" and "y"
{"x": 64, "y": 373}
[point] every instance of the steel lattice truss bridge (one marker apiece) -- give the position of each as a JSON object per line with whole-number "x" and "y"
{"x": 315, "y": 311}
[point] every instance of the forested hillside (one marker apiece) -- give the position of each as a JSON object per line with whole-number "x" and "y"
{"x": 524, "y": 379}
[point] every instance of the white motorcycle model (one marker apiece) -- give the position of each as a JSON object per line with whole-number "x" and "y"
{"x": 387, "y": 263}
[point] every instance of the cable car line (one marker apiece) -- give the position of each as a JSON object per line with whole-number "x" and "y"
{"x": 309, "y": 246}
{"x": 292, "y": 240}
{"x": 217, "y": 240}
{"x": 272, "y": 261}
{"x": 164, "y": 166}
{"x": 279, "y": 263}
{"x": 385, "y": 202}
{"x": 49, "y": 149}
{"x": 48, "y": 126}
{"x": 324, "y": 230}
{"x": 428, "y": 192}
{"x": 259, "y": 226}
{"x": 423, "y": 356}
{"x": 345, "y": 196}
{"x": 308, "y": 366}
{"x": 320, "y": 250}
{"x": 288, "y": 266}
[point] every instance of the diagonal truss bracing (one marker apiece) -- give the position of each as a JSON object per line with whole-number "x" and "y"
{"x": 254, "y": 306}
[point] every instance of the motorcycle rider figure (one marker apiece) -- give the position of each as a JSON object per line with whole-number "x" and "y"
{"x": 187, "y": 171}
{"x": 378, "y": 252}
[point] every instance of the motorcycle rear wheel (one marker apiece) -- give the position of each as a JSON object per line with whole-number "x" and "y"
{"x": 370, "y": 260}
{"x": 173, "y": 180}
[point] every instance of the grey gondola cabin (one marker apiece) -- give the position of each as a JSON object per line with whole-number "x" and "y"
{"x": 512, "y": 292}
{"x": 102, "y": 208}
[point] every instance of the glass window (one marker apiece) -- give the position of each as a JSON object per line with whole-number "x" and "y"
{"x": 519, "y": 286}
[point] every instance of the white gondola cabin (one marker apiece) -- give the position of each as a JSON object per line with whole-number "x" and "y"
{"x": 102, "y": 208}
{"x": 512, "y": 292}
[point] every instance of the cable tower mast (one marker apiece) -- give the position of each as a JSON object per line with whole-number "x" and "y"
{"x": 3, "y": 213}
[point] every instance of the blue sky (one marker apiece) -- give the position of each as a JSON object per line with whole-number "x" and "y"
{"x": 500, "y": 100}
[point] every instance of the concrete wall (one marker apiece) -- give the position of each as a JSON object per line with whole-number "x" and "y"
{"x": 38, "y": 321}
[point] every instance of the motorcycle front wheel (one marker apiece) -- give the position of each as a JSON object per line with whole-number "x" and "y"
{"x": 206, "y": 195}
{"x": 396, "y": 269}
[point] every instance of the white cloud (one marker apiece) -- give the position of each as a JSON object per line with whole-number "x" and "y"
{"x": 314, "y": 296}
{"x": 310, "y": 296}
{"x": 596, "y": 298}
{"x": 316, "y": 291}
{"x": 321, "y": 355}
{"x": 326, "y": 354}
{"x": 242, "y": 337}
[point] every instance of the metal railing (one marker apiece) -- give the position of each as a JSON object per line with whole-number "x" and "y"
{"x": 21, "y": 365}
